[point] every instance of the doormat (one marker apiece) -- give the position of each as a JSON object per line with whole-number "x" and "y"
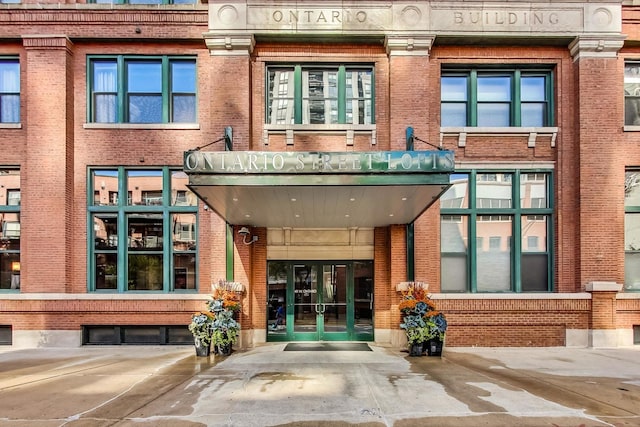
{"x": 328, "y": 346}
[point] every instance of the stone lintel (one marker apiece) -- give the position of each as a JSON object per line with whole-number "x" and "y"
{"x": 419, "y": 45}
{"x": 230, "y": 44}
{"x": 596, "y": 46}
{"x": 603, "y": 287}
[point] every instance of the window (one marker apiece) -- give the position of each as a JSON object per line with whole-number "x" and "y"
{"x": 632, "y": 93}
{"x": 320, "y": 95}
{"x": 142, "y": 89}
{"x": 497, "y": 245}
{"x": 9, "y": 90}
{"x": 138, "y": 243}
{"x": 9, "y": 229}
{"x": 496, "y": 98}
{"x": 632, "y": 230}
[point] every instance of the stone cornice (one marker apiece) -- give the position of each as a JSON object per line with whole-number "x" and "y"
{"x": 594, "y": 46}
{"x": 409, "y": 45}
{"x": 232, "y": 44}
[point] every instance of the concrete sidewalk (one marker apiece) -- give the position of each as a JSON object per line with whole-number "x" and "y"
{"x": 266, "y": 386}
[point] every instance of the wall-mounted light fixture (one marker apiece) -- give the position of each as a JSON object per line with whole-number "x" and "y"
{"x": 244, "y": 232}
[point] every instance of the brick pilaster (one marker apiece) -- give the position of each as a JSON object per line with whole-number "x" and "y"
{"x": 409, "y": 81}
{"x": 599, "y": 139}
{"x": 48, "y": 187}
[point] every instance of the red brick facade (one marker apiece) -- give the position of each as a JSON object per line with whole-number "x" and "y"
{"x": 54, "y": 146}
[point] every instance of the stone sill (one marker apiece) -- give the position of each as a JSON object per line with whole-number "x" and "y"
{"x": 10, "y": 125}
{"x": 128, "y": 126}
{"x": 348, "y": 131}
{"x": 530, "y": 132}
{"x": 512, "y": 296}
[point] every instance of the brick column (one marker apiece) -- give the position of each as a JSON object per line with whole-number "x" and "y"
{"x": 409, "y": 82}
{"x": 47, "y": 187}
{"x": 602, "y": 327}
{"x": 231, "y": 61}
{"x": 600, "y": 177}
{"x": 398, "y": 273}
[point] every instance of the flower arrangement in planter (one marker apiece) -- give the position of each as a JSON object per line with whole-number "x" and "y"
{"x": 422, "y": 322}
{"x": 216, "y": 328}
{"x": 200, "y": 327}
{"x": 224, "y": 304}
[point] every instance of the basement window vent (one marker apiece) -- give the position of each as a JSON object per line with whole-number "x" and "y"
{"x": 136, "y": 335}
{"x": 636, "y": 334}
{"x": 6, "y": 335}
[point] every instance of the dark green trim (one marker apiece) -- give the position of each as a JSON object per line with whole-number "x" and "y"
{"x": 341, "y": 87}
{"x": 342, "y": 94}
{"x": 350, "y": 334}
{"x": 517, "y": 213}
{"x": 410, "y": 252}
{"x": 229, "y": 246}
{"x": 121, "y": 212}
{"x": 516, "y": 74}
{"x": 122, "y": 114}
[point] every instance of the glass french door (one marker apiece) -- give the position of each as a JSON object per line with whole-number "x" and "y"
{"x": 320, "y": 301}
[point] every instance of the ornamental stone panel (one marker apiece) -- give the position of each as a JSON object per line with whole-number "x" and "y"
{"x": 496, "y": 18}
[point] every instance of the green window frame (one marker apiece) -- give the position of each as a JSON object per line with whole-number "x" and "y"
{"x": 482, "y": 97}
{"x": 9, "y": 89}
{"x": 146, "y": 241}
{"x": 632, "y": 93}
{"x": 632, "y": 230}
{"x": 497, "y": 234}
{"x": 320, "y": 94}
{"x": 141, "y": 89}
{"x": 9, "y": 229}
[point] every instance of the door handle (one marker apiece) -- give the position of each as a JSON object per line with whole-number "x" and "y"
{"x": 322, "y": 308}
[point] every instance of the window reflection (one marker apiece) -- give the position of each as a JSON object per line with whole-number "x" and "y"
{"x": 148, "y": 241}
{"x": 457, "y": 196}
{"x": 145, "y": 231}
{"x": 106, "y": 275}
{"x": 180, "y": 194}
{"x": 494, "y": 254}
{"x": 454, "y": 251}
{"x": 10, "y": 229}
{"x": 105, "y": 187}
{"x": 493, "y": 191}
{"x": 145, "y": 187}
{"x": 632, "y": 93}
{"x": 281, "y": 95}
{"x": 145, "y": 272}
{"x": 106, "y": 231}
{"x": 491, "y": 237}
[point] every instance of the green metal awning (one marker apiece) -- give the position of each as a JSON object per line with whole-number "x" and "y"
{"x": 319, "y": 190}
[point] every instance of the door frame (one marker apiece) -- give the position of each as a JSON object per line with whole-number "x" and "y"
{"x": 287, "y": 331}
